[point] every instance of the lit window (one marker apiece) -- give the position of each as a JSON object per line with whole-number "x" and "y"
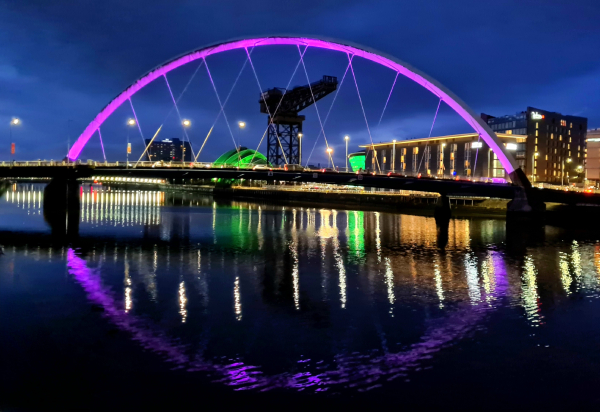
{"x": 536, "y": 142}
{"x": 570, "y": 126}
{"x": 560, "y": 137}
{"x": 537, "y": 125}
{"x": 552, "y": 136}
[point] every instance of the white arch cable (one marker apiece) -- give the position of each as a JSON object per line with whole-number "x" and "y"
{"x": 179, "y": 114}
{"x": 363, "y": 111}
{"x": 137, "y": 122}
{"x": 430, "y": 131}
{"x": 267, "y": 106}
{"x": 101, "y": 144}
{"x": 329, "y": 111}
{"x": 223, "y": 109}
{"x": 279, "y": 104}
{"x": 316, "y": 108}
{"x": 388, "y": 99}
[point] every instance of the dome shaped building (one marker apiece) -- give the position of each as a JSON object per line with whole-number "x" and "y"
{"x": 244, "y": 157}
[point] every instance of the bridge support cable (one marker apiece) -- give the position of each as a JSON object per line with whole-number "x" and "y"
{"x": 138, "y": 124}
{"x": 101, "y": 144}
{"x": 363, "y": 111}
{"x": 180, "y": 118}
{"x": 203, "y": 143}
{"x": 266, "y": 105}
{"x": 223, "y": 109}
{"x": 388, "y": 99}
{"x": 430, "y": 131}
{"x": 329, "y": 111}
{"x": 149, "y": 143}
{"x": 315, "y": 103}
{"x": 278, "y": 105}
{"x": 476, "y": 155}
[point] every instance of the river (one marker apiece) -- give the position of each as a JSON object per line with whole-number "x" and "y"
{"x": 178, "y": 299}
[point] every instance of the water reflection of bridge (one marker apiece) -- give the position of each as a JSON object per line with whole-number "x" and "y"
{"x": 241, "y": 260}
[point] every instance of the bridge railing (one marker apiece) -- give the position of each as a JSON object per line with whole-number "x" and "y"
{"x": 64, "y": 163}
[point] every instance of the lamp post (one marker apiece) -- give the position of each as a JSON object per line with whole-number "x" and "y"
{"x": 394, "y": 156}
{"x": 130, "y": 123}
{"x": 562, "y": 173}
{"x": 186, "y": 123}
{"x": 533, "y": 156}
{"x": 300, "y": 148}
{"x": 329, "y": 152}
{"x": 346, "y": 138}
{"x": 15, "y": 121}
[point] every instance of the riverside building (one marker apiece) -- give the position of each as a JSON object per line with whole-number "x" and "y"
{"x": 169, "y": 150}
{"x": 548, "y": 146}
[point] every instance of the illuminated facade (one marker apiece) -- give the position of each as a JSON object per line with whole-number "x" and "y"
{"x": 357, "y": 161}
{"x": 464, "y": 155}
{"x": 559, "y": 141}
{"x": 243, "y": 157}
{"x": 592, "y": 160}
{"x": 169, "y": 150}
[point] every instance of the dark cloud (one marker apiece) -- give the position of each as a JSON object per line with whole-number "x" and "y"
{"x": 63, "y": 61}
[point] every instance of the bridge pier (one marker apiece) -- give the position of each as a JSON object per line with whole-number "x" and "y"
{"x": 62, "y": 207}
{"x": 525, "y": 207}
{"x": 442, "y": 212}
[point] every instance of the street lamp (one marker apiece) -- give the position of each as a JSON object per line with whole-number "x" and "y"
{"x": 533, "y": 156}
{"x": 15, "y": 121}
{"x": 394, "y": 157}
{"x": 329, "y": 152}
{"x": 562, "y": 173}
{"x": 346, "y": 138}
{"x": 242, "y": 124}
{"x": 130, "y": 123}
{"x": 300, "y": 148}
{"x": 185, "y": 123}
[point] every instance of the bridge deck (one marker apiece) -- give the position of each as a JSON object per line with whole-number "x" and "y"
{"x": 442, "y": 186}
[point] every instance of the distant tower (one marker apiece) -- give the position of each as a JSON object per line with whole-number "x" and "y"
{"x": 282, "y": 106}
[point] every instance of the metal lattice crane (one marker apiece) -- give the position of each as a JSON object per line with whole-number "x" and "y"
{"x": 285, "y": 125}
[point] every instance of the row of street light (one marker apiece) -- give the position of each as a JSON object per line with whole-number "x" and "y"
{"x": 15, "y": 121}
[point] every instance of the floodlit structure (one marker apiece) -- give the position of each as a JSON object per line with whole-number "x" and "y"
{"x": 480, "y": 127}
{"x": 242, "y": 157}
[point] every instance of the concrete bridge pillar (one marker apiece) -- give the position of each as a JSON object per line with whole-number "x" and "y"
{"x": 62, "y": 206}
{"x": 525, "y": 206}
{"x": 442, "y": 212}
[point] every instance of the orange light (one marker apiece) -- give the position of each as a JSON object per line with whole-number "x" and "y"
{"x": 419, "y": 176}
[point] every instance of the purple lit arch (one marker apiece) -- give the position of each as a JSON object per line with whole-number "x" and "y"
{"x": 427, "y": 82}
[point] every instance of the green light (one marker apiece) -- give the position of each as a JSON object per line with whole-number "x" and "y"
{"x": 245, "y": 158}
{"x": 357, "y": 161}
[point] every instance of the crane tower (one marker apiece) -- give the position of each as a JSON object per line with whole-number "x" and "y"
{"x": 284, "y": 134}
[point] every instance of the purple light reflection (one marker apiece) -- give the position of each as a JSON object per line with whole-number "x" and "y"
{"x": 353, "y": 370}
{"x": 428, "y": 83}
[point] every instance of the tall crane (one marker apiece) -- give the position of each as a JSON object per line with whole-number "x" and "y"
{"x": 284, "y": 138}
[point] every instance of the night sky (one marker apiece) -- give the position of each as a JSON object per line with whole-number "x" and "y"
{"x": 63, "y": 61}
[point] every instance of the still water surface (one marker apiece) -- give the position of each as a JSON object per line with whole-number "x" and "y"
{"x": 166, "y": 297}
